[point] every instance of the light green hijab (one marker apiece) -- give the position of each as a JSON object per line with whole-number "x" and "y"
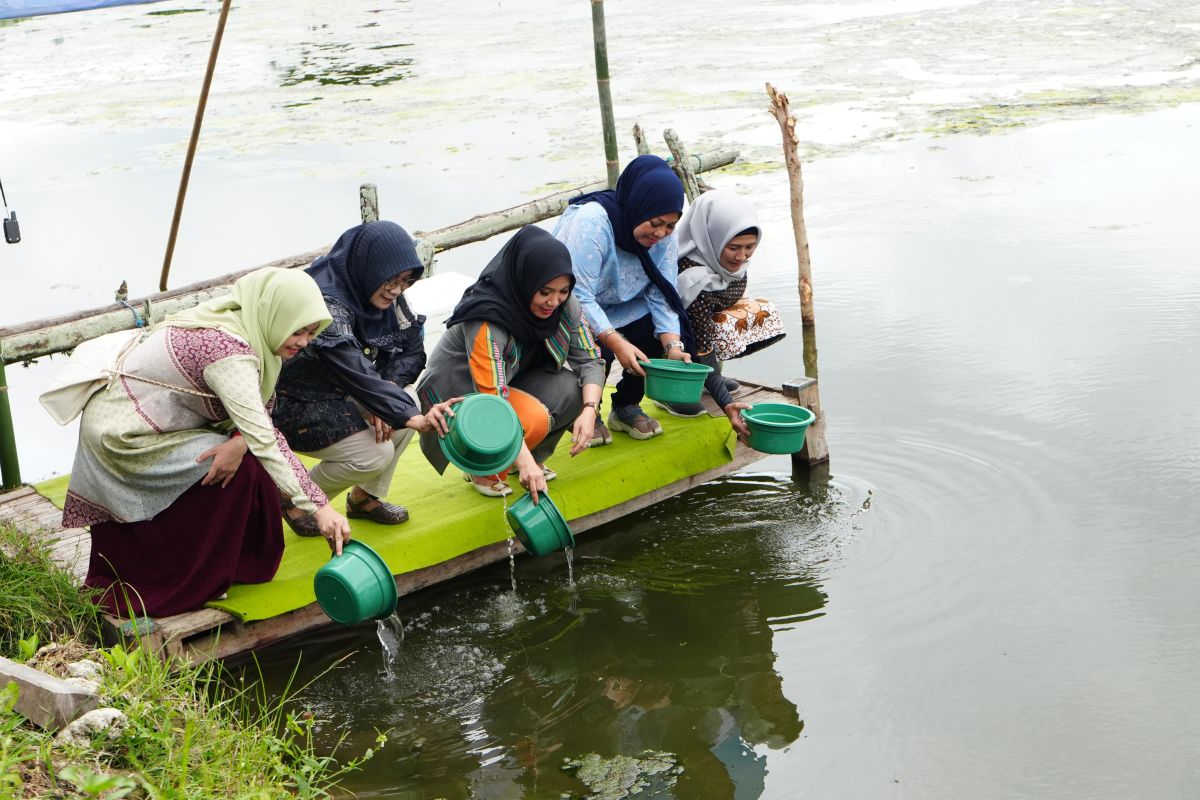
{"x": 266, "y": 307}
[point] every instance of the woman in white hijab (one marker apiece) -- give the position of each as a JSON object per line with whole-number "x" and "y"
{"x": 717, "y": 236}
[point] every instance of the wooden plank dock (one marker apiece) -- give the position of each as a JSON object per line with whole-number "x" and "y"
{"x": 212, "y": 633}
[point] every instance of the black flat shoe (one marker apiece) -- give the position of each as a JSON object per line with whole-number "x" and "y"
{"x": 385, "y": 513}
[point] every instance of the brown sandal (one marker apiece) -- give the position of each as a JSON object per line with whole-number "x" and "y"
{"x": 385, "y": 513}
{"x": 304, "y": 525}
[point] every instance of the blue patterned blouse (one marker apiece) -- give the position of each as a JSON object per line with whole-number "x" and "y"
{"x": 611, "y": 285}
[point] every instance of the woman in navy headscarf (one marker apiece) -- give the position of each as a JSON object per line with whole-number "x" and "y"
{"x": 625, "y": 260}
{"x": 346, "y": 398}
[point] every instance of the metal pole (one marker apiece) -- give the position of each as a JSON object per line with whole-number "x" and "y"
{"x": 10, "y": 470}
{"x": 191, "y": 151}
{"x": 606, "y": 110}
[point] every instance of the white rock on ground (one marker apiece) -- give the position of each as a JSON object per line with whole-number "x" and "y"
{"x": 83, "y": 731}
{"x": 86, "y": 669}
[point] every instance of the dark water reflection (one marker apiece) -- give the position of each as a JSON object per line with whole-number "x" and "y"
{"x": 664, "y": 644}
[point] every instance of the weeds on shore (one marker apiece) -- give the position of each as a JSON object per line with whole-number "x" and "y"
{"x": 190, "y": 731}
{"x": 40, "y": 602}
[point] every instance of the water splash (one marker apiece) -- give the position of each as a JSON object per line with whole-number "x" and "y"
{"x": 391, "y": 635}
{"x": 512, "y": 553}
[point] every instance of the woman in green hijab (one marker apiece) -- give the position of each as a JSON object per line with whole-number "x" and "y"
{"x": 179, "y": 470}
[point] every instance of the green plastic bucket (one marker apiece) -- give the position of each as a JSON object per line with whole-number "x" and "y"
{"x": 484, "y": 435}
{"x": 670, "y": 381}
{"x": 541, "y": 528}
{"x": 355, "y": 586}
{"x": 777, "y": 427}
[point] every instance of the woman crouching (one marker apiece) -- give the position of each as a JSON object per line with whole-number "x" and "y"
{"x": 518, "y": 333}
{"x": 179, "y": 470}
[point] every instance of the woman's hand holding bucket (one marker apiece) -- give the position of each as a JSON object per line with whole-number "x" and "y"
{"x": 334, "y": 527}
{"x": 734, "y": 412}
{"x": 435, "y": 419}
{"x": 626, "y": 353}
{"x": 533, "y": 478}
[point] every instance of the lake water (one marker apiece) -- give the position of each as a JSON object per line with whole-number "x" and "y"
{"x": 990, "y": 592}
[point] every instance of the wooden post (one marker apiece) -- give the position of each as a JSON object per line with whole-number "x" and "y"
{"x": 816, "y": 451}
{"x": 10, "y": 467}
{"x": 600, "y": 40}
{"x": 682, "y": 164}
{"x": 787, "y": 124}
{"x": 368, "y": 202}
{"x": 191, "y": 151}
{"x": 639, "y": 139}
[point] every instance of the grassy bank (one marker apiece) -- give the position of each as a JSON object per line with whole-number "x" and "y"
{"x": 190, "y": 733}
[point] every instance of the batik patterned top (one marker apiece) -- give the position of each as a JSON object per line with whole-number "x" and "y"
{"x": 701, "y": 311}
{"x": 139, "y": 439}
{"x": 611, "y": 285}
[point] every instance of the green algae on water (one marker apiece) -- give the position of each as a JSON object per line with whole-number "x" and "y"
{"x": 748, "y": 168}
{"x": 623, "y": 776}
{"x": 1053, "y": 105}
{"x": 329, "y": 65}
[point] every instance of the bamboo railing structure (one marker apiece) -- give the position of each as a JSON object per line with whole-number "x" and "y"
{"x": 46, "y": 337}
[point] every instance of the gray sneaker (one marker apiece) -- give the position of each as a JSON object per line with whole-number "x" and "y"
{"x": 681, "y": 409}
{"x": 632, "y": 420}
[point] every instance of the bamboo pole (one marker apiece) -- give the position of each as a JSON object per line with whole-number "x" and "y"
{"x": 10, "y": 467}
{"x": 368, "y": 202}
{"x": 639, "y": 139}
{"x": 60, "y": 334}
{"x": 191, "y": 151}
{"x": 682, "y": 164}
{"x": 600, "y": 40}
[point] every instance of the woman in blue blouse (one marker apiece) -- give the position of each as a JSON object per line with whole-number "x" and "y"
{"x": 625, "y": 261}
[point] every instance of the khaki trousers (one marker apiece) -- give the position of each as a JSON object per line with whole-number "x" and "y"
{"x": 358, "y": 460}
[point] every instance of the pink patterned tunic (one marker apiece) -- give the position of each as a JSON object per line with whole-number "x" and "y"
{"x": 181, "y": 392}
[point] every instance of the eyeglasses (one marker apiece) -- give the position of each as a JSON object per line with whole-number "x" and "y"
{"x": 397, "y": 285}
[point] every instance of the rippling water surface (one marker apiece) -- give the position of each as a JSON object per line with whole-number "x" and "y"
{"x": 991, "y": 590}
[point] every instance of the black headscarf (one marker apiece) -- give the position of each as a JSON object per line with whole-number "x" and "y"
{"x": 363, "y": 259}
{"x": 647, "y": 188}
{"x": 505, "y": 289}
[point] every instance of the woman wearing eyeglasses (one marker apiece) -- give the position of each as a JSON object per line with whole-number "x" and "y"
{"x": 346, "y": 398}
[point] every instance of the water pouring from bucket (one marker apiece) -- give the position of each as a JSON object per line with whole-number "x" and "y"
{"x": 541, "y": 528}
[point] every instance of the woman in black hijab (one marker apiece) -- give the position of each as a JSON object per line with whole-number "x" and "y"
{"x": 343, "y": 398}
{"x": 518, "y": 333}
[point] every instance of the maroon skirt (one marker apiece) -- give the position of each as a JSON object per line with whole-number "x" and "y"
{"x": 208, "y": 539}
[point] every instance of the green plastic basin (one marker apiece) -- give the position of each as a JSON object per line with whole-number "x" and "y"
{"x": 484, "y": 435}
{"x": 777, "y": 427}
{"x": 670, "y": 381}
{"x": 356, "y": 586}
{"x": 541, "y": 528}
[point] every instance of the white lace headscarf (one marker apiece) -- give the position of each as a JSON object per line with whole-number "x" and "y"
{"x": 706, "y": 227}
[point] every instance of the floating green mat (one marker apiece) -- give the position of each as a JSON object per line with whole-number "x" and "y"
{"x": 448, "y": 518}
